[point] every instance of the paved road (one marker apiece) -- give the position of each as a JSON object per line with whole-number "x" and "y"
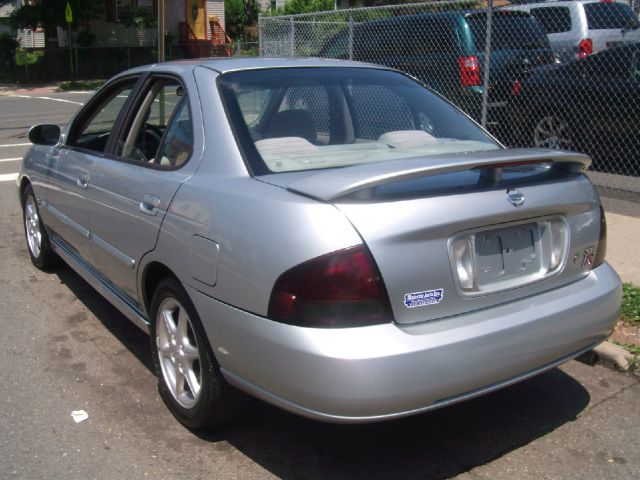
{"x": 64, "y": 348}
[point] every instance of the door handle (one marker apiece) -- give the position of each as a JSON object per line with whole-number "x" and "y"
{"x": 82, "y": 181}
{"x": 149, "y": 205}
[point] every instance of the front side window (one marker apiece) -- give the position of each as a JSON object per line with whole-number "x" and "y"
{"x": 95, "y": 126}
{"x": 160, "y": 133}
{"x": 316, "y": 118}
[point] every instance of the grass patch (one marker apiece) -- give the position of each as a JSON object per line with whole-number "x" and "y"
{"x": 80, "y": 85}
{"x": 630, "y": 313}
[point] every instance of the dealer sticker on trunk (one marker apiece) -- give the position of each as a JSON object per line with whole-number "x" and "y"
{"x": 420, "y": 299}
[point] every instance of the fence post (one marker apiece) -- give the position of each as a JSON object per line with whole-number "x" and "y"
{"x": 292, "y": 38}
{"x": 350, "y": 37}
{"x": 259, "y": 35}
{"x": 76, "y": 55}
{"x": 26, "y": 64}
{"x": 487, "y": 65}
{"x": 128, "y": 57}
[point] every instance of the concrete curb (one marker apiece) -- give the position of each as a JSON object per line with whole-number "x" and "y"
{"x": 612, "y": 354}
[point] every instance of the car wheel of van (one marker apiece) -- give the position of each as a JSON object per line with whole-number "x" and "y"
{"x": 35, "y": 233}
{"x": 189, "y": 377}
{"x": 552, "y": 131}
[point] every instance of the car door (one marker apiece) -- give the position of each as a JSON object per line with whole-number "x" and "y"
{"x": 86, "y": 143}
{"x": 131, "y": 191}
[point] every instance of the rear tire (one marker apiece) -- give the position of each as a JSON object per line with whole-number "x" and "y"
{"x": 552, "y": 131}
{"x": 42, "y": 256}
{"x": 189, "y": 378}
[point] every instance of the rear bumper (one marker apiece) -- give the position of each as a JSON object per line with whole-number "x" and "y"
{"x": 388, "y": 371}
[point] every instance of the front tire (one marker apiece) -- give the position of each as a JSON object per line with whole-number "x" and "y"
{"x": 42, "y": 256}
{"x": 189, "y": 378}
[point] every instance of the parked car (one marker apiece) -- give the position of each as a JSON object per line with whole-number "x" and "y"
{"x": 446, "y": 51}
{"x": 590, "y": 105}
{"x": 578, "y": 28}
{"x": 277, "y": 235}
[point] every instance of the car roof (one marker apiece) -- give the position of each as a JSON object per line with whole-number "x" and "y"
{"x": 224, "y": 65}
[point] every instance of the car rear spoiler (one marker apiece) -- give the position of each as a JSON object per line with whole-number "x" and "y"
{"x": 330, "y": 184}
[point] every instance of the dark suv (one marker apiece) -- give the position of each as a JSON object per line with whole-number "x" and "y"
{"x": 445, "y": 50}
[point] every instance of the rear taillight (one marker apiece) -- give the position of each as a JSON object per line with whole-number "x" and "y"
{"x": 515, "y": 89}
{"x": 585, "y": 47}
{"x": 602, "y": 241}
{"x": 469, "y": 68}
{"x": 342, "y": 289}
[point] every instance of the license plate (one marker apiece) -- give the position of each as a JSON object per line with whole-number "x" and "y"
{"x": 507, "y": 253}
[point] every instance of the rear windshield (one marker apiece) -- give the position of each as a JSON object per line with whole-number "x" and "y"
{"x": 553, "y": 19}
{"x": 509, "y": 30}
{"x": 603, "y": 16}
{"x": 294, "y": 119}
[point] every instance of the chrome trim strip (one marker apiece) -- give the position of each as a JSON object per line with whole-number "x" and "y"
{"x": 298, "y": 409}
{"x": 114, "y": 297}
{"x": 113, "y": 251}
{"x": 67, "y": 221}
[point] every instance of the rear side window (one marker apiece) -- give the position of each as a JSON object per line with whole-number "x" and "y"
{"x": 380, "y": 40}
{"x": 553, "y": 19}
{"x": 510, "y": 30}
{"x": 603, "y": 16}
{"x": 432, "y": 36}
{"x": 160, "y": 133}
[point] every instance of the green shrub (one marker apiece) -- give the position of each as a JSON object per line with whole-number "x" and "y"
{"x": 630, "y": 304}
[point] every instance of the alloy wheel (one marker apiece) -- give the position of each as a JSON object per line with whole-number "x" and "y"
{"x": 552, "y": 132}
{"x": 32, "y": 227}
{"x": 178, "y": 353}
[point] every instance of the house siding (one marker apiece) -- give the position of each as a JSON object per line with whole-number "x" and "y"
{"x": 173, "y": 15}
{"x": 214, "y": 8}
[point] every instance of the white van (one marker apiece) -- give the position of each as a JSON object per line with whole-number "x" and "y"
{"x": 579, "y": 28}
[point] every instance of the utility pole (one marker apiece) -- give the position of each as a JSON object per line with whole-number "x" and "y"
{"x": 160, "y": 30}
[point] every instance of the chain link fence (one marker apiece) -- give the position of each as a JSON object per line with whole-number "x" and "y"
{"x": 562, "y": 74}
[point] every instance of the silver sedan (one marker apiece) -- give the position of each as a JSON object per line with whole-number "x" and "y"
{"x": 328, "y": 236}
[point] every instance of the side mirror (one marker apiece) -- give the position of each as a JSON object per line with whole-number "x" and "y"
{"x": 44, "y": 134}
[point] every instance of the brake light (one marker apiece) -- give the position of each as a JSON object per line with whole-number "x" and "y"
{"x": 515, "y": 89}
{"x": 469, "y": 68}
{"x": 585, "y": 47}
{"x": 342, "y": 289}
{"x": 607, "y": 1}
{"x": 602, "y": 241}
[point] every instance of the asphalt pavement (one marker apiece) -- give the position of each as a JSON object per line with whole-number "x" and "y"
{"x": 65, "y": 348}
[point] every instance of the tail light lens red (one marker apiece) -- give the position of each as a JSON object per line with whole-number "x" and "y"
{"x": 585, "y": 47}
{"x": 342, "y": 289}
{"x": 602, "y": 241}
{"x": 469, "y": 68}
{"x": 515, "y": 89}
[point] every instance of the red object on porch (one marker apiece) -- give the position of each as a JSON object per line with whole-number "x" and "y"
{"x": 217, "y": 46}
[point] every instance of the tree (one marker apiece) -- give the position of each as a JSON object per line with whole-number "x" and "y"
{"x": 241, "y": 18}
{"x": 292, "y": 7}
{"x": 50, "y": 14}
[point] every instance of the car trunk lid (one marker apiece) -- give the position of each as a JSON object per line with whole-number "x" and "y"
{"x": 410, "y": 214}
